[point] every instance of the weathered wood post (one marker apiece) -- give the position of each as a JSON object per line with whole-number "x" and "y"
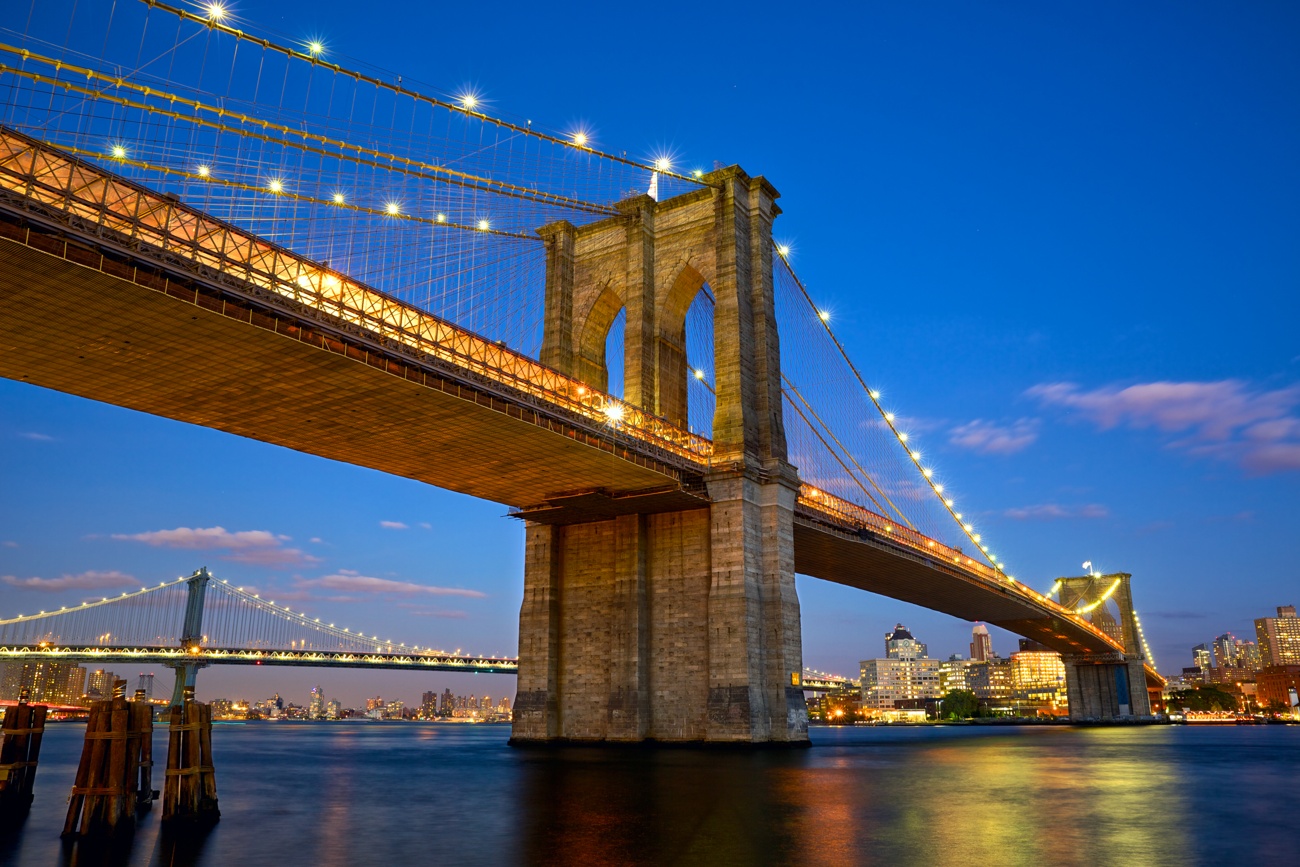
{"x": 190, "y": 788}
{"x": 115, "y": 761}
{"x": 20, "y": 748}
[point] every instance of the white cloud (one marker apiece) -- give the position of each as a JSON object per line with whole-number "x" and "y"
{"x": 92, "y": 580}
{"x": 254, "y": 547}
{"x": 990, "y": 438}
{"x": 348, "y": 581}
{"x": 1229, "y": 419}
{"x": 393, "y": 525}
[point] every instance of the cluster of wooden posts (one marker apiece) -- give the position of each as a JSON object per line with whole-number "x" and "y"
{"x": 114, "y": 781}
{"x": 20, "y": 748}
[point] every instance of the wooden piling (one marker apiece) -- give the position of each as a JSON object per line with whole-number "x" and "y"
{"x": 190, "y": 788}
{"x": 115, "y": 772}
{"x": 20, "y": 749}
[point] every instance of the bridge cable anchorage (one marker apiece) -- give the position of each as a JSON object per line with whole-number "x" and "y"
{"x": 887, "y": 417}
{"x": 419, "y": 169}
{"x": 468, "y": 111}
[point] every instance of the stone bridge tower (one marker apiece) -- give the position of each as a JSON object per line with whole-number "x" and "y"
{"x": 678, "y": 624}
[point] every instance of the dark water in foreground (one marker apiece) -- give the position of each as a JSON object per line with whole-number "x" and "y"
{"x": 360, "y": 794}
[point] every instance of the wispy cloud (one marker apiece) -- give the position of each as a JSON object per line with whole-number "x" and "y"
{"x": 352, "y": 582}
{"x": 1256, "y": 428}
{"x": 991, "y": 438}
{"x": 9, "y": 543}
{"x": 1056, "y": 512}
{"x": 91, "y": 580}
{"x": 254, "y": 547}
{"x": 393, "y": 525}
{"x": 36, "y": 437}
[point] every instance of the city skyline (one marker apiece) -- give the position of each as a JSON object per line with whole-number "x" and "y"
{"x": 1058, "y": 341}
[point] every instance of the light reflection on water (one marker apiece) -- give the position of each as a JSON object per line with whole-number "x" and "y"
{"x": 340, "y": 793}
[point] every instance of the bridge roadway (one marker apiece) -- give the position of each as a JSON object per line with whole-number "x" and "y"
{"x": 116, "y": 293}
{"x": 109, "y": 654}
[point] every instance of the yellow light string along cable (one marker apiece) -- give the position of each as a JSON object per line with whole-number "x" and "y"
{"x": 286, "y": 194}
{"x": 889, "y": 419}
{"x": 431, "y": 172}
{"x": 313, "y": 59}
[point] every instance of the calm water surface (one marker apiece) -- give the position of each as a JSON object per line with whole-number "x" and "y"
{"x": 359, "y": 794}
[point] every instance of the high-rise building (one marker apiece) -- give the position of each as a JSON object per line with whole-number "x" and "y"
{"x": 1279, "y": 637}
{"x": 375, "y": 703}
{"x": 446, "y": 704}
{"x": 99, "y": 686}
{"x": 906, "y": 673}
{"x": 59, "y": 683}
{"x": 981, "y": 644}
{"x": 990, "y": 681}
{"x": 1038, "y": 681}
{"x": 1248, "y": 655}
{"x": 394, "y": 710}
{"x": 1203, "y": 657}
{"x": 952, "y": 673}
{"x": 316, "y": 707}
{"x": 333, "y": 709}
{"x": 900, "y": 644}
{"x": 428, "y": 705}
{"x": 1225, "y": 651}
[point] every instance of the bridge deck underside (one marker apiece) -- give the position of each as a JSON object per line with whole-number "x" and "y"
{"x": 841, "y": 556}
{"x": 78, "y": 330}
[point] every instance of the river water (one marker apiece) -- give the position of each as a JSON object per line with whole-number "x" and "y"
{"x": 413, "y": 793}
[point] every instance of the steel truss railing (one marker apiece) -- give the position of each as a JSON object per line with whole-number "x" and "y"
{"x": 239, "y": 656}
{"x": 42, "y": 173}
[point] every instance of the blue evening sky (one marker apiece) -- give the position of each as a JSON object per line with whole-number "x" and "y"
{"x": 1063, "y": 240}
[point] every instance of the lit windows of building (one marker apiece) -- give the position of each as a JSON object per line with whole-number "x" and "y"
{"x": 952, "y": 673}
{"x": 99, "y": 686}
{"x": 981, "y": 644}
{"x": 1279, "y": 638}
{"x": 905, "y": 674}
{"x": 1038, "y": 682}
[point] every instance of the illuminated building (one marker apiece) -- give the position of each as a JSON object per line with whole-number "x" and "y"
{"x": 428, "y": 705}
{"x": 446, "y": 704}
{"x": 1038, "y": 682}
{"x": 1203, "y": 657}
{"x": 333, "y": 709}
{"x": 1279, "y": 637}
{"x": 1278, "y": 685}
{"x": 394, "y": 710}
{"x": 1225, "y": 651}
{"x": 981, "y": 645}
{"x": 99, "y": 685}
{"x": 906, "y": 673}
{"x": 59, "y": 683}
{"x": 316, "y": 707}
{"x": 952, "y": 674}
{"x": 1248, "y": 656}
{"x": 375, "y": 703}
{"x": 990, "y": 681}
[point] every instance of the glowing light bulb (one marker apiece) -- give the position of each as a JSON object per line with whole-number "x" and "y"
{"x": 875, "y": 395}
{"x": 916, "y": 456}
{"x": 948, "y": 503}
{"x": 614, "y": 412}
{"x": 824, "y": 315}
{"x": 338, "y": 198}
{"x": 698, "y": 173}
{"x": 204, "y": 172}
{"x": 699, "y": 374}
{"x": 468, "y": 100}
{"x": 483, "y": 225}
{"x": 927, "y": 473}
{"x": 216, "y": 11}
{"x": 442, "y": 218}
{"x": 889, "y": 416}
{"x": 902, "y": 437}
{"x": 976, "y": 537}
{"x": 315, "y": 47}
{"x": 275, "y": 185}
{"x": 392, "y": 209}
{"x": 119, "y": 152}
{"x": 967, "y": 527}
{"x": 663, "y": 164}
{"x": 938, "y": 489}
{"x": 784, "y": 250}
{"x": 580, "y": 139}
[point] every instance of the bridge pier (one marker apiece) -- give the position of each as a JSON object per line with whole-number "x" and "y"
{"x": 676, "y": 626}
{"x": 671, "y": 622}
{"x": 1106, "y": 690}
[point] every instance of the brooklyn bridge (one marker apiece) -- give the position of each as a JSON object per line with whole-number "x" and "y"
{"x": 217, "y": 227}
